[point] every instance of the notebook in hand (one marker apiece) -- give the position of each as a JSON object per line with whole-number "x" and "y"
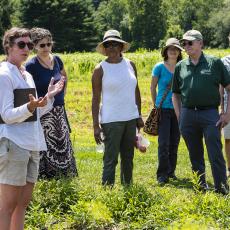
{"x": 21, "y": 97}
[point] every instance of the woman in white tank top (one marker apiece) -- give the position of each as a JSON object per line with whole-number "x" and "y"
{"x": 116, "y": 107}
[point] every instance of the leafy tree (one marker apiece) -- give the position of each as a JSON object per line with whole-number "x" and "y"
{"x": 6, "y": 9}
{"x": 113, "y": 15}
{"x": 78, "y": 25}
{"x": 183, "y": 15}
{"x": 146, "y": 23}
{"x": 219, "y": 24}
{"x": 96, "y": 3}
{"x": 70, "y": 21}
{"x": 15, "y": 13}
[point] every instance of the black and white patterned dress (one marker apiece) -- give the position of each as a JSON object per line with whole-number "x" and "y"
{"x": 58, "y": 160}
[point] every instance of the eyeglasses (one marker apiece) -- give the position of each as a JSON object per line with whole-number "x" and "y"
{"x": 22, "y": 45}
{"x": 185, "y": 43}
{"x": 42, "y": 45}
{"x": 113, "y": 44}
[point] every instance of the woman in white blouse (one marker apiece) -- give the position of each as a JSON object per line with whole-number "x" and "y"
{"x": 20, "y": 140}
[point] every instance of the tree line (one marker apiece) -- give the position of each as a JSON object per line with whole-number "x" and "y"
{"x": 78, "y": 25}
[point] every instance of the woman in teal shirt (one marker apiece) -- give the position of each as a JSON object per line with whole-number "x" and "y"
{"x": 169, "y": 135}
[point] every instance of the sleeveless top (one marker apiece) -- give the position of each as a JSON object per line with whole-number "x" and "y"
{"x": 118, "y": 92}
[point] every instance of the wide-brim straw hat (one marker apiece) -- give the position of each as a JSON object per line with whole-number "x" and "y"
{"x": 112, "y": 35}
{"x": 172, "y": 42}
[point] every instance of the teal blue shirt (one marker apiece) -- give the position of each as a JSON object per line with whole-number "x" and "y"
{"x": 164, "y": 77}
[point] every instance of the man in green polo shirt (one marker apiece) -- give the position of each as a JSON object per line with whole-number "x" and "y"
{"x": 196, "y": 99}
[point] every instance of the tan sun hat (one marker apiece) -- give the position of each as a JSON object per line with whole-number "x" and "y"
{"x": 192, "y": 35}
{"x": 171, "y": 42}
{"x": 112, "y": 35}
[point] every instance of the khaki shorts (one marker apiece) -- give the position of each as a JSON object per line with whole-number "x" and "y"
{"x": 226, "y": 131}
{"x": 17, "y": 165}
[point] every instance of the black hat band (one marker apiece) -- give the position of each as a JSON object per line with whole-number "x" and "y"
{"x": 111, "y": 37}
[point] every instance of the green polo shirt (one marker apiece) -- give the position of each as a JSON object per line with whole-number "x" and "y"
{"x": 198, "y": 84}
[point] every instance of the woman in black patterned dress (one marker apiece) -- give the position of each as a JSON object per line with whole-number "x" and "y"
{"x": 58, "y": 160}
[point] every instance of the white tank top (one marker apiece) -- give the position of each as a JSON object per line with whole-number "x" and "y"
{"x": 118, "y": 92}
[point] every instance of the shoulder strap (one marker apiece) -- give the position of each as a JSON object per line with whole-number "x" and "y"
{"x": 165, "y": 93}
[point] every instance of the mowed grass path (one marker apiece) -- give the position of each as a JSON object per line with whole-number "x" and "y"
{"x": 82, "y": 203}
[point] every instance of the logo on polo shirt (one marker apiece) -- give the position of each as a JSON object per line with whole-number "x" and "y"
{"x": 206, "y": 72}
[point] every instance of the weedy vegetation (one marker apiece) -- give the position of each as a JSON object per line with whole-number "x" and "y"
{"x": 82, "y": 203}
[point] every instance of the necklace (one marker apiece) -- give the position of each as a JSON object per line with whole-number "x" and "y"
{"x": 22, "y": 72}
{"x": 170, "y": 64}
{"x": 49, "y": 65}
{"x": 170, "y": 67}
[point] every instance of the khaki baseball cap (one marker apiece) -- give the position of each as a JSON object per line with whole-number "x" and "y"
{"x": 192, "y": 35}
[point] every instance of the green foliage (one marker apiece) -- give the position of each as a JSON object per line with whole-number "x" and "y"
{"x": 138, "y": 21}
{"x": 219, "y": 24}
{"x": 113, "y": 15}
{"x": 146, "y": 23}
{"x": 82, "y": 203}
{"x": 77, "y": 25}
{"x": 183, "y": 15}
{"x": 48, "y": 207}
{"x": 70, "y": 21}
{"x": 6, "y": 9}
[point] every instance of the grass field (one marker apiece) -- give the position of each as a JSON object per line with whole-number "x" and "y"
{"x": 82, "y": 203}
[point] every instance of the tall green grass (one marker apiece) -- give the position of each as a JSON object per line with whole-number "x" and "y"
{"x": 82, "y": 203}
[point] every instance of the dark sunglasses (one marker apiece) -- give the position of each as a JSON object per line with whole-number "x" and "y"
{"x": 113, "y": 44}
{"x": 45, "y": 44}
{"x": 185, "y": 43}
{"x": 22, "y": 45}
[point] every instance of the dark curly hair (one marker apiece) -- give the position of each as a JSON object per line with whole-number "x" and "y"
{"x": 38, "y": 34}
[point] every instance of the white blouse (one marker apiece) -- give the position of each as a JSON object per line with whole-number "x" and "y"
{"x": 27, "y": 135}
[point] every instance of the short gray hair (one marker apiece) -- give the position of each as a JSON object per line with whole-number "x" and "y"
{"x": 11, "y": 35}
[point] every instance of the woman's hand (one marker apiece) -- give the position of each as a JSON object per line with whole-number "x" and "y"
{"x": 35, "y": 103}
{"x": 97, "y": 134}
{"x": 140, "y": 123}
{"x": 54, "y": 89}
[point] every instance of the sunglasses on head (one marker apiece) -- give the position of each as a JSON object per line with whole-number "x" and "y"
{"x": 45, "y": 44}
{"x": 22, "y": 45}
{"x": 185, "y": 43}
{"x": 113, "y": 44}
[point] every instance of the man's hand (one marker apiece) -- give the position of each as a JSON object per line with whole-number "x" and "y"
{"x": 176, "y": 99}
{"x": 54, "y": 89}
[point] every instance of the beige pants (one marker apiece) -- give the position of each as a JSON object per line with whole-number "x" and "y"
{"x": 226, "y": 129}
